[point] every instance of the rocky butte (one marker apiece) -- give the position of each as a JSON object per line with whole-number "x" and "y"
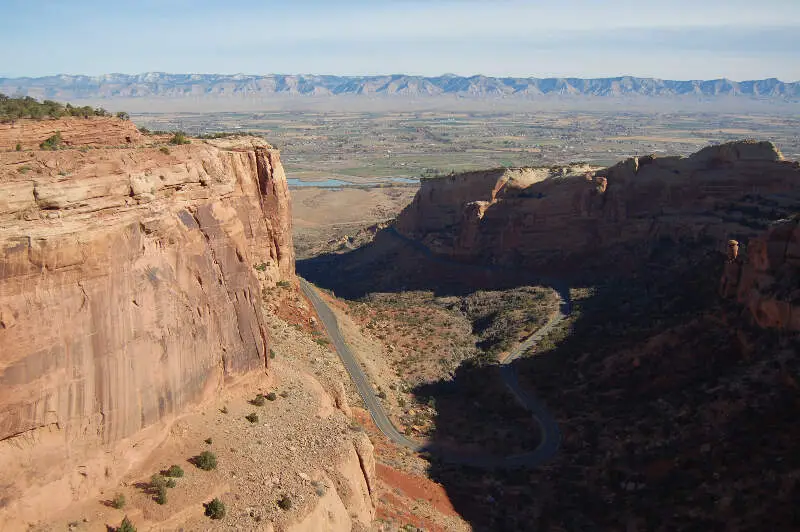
{"x": 131, "y": 280}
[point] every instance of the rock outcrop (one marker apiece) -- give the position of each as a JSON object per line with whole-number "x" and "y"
{"x": 557, "y": 217}
{"x": 130, "y": 288}
{"x": 767, "y": 282}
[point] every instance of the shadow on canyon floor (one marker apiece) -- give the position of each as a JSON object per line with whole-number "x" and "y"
{"x": 675, "y": 412}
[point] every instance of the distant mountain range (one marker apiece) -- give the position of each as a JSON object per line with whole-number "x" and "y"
{"x": 158, "y": 84}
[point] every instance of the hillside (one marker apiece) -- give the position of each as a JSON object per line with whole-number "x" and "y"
{"x": 159, "y": 84}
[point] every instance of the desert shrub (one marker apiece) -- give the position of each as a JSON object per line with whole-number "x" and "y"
{"x": 171, "y": 483}
{"x": 261, "y": 267}
{"x": 122, "y": 115}
{"x": 126, "y": 525}
{"x": 164, "y": 150}
{"x": 18, "y": 147}
{"x": 24, "y": 169}
{"x": 284, "y": 284}
{"x": 178, "y": 138}
{"x": 271, "y": 396}
{"x": 175, "y": 471}
{"x": 206, "y": 461}
{"x": 158, "y": 481}
{"x": 284, "y": 394}
{"x": 208, "y": 440}
{"x": 215, "y": 509}
{"x": 251, "y": 417}
{"x": 285, "y": 503}
{"x": 161, "y": 494}
{"x": 51, "y": 143}
{"x": 258, "y": 401}
{"x": 224, "y": 410}
{"x": 118, "y": 501}
{"x": 144, "y": 131}
{"x": 271, "y": 353}
{"x": 322, "y": 341}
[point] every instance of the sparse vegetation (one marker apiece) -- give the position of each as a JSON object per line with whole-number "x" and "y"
{"x": 122, "y": 115}
{"x": 224, "y": 410}
{"x": 118, "y": 501}
{"x": 271, "y": 396}
{"x": 271, "y": 353}
{"x": 178, "y": 138}
{"x": 126, "y": 525}
{"x": 215, "y": 509}
{"x": 258, "y": 400}
{"x": 283, "y": 284}
{"x": 206, "y": 461}
{"x": 51, "y": 143}
{"x": 18, "y": 147}
{"x": 24, "y": 169}
{"x": 175, "y": 471}
{"x": 285, "y": 503}
{"x": 208, "y": 440}
{"x": 261, "y": 267}
{"x": 144, "y": 131}
{"x": 161, "y": 494}
{"x": 27, "y": 107}
{"x": 164, "y": 150}
{"x": 252, "y": 417}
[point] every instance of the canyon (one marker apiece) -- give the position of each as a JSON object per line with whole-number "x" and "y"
{"x": 149, "y": 305}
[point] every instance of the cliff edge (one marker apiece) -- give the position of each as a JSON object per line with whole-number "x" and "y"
{"x": 130, "y": 288}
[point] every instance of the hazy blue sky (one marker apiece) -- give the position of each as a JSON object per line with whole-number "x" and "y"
{"x": 675, "y": 39}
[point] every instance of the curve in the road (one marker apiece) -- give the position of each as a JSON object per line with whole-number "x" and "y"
{"x": 550, "y": 433}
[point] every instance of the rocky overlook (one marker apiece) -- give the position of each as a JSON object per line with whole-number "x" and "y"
{"x": 130, "y": 288}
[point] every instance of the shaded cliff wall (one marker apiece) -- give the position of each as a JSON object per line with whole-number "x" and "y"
{"x": 130, "y": 288}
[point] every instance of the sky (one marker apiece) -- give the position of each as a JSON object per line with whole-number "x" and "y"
{"x": 669, "y": 39}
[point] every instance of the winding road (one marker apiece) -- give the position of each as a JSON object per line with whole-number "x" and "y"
{"x": 550, "y": 434}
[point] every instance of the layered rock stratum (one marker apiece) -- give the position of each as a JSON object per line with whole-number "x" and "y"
{"x": 572, "y": 216}
{"x": 130, "y": 289}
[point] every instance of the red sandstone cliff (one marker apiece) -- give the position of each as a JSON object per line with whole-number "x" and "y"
{"x": 536, "y": 217}
{"x": 767, "y": 281}
{"x": 130, "y": 288}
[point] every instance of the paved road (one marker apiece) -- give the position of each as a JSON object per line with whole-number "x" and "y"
{"x": 550, "y": 434}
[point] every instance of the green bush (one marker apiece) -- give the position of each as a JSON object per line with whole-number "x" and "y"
{"x": 126, "y": 526}
{"x": 158, "y": 481}
{"x": 261, "y": 267}
{"x": 171, "y": 483}
{"x": 118, "y": 501}
{"x": 175, "y": 471}
{"x": 271, "y": 396}
{"x": 18, "y": 147}
{"x": 284, "y": 284}
{"x": 206, "y": 461}
{"x": 215, "y": 509}
{"x": 51, "y": 143}
{"x": 251, "y": 417}
{"x": 122, "y": 115}
{"x": 178, "y": 138}
{"x": 271, "y": 353}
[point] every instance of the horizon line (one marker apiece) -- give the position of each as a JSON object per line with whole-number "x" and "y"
{"x": 447, "y": 74}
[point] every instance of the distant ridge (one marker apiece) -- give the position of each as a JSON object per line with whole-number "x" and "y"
{"x": 159, "y": 84}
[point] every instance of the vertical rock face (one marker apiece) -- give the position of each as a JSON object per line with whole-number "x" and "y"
{"x": 768, "y": 282}
{"x": 130, "y": 288}
{"x": 539, "y": 217}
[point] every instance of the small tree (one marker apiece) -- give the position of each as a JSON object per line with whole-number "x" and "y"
{"x": 19, "y": 147}
{"x": 215, "y": 509}
{"x": 122, "y": 115}
{"x": 126, "y": 526}
{"x": 161, "y": 494}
